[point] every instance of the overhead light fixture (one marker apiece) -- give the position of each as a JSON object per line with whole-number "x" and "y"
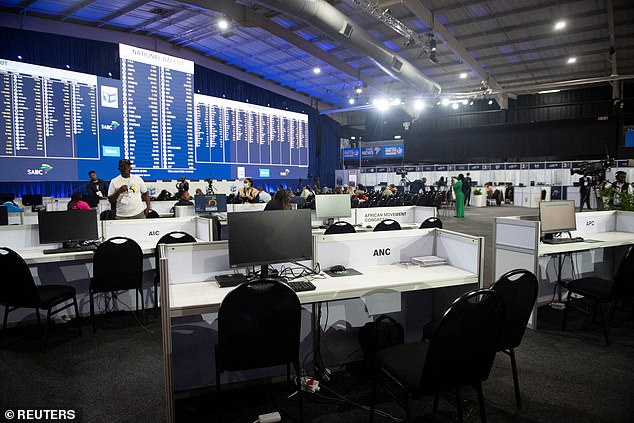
{"x": 465, "y": 101}
{"x": 445, "y": 102}
{"x": 571, "y": 60}
{"x": 353, "y": 137}
{"x": 432, "y": 58}
{"x": 19, "y": 57}
{"x": 223, "y": 24}
{"x": 548, "y": 91}
{"x": 316, "y": 70}
{"x": 419, "y": 105}
{"x": 358, "y": 89}
{"x": 351, "y": 101}
{"x": 432, "y": 44}
{"x": 463, "y": 75}
{"x": 490, "y": 102}
{"x": 455, "y": 106}
{"x": 559, "y": 25}
{"x": 397, "y": 137}
{"x": 471, "y": 103}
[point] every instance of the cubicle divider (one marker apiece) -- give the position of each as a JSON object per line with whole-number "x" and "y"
{"x": 191, "y": 297}
{"x": 517, "y": 245}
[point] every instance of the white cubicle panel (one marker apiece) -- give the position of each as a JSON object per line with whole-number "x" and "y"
{"x": 421, "y": 213}
{"x": 15, "y": 218}
{"x": 163, "y": 207}
{"x": 148, "y": 230}
{"x": 197, "y": 262}
{"x": 184, "y": 211}
{"x": 246, "y": 207}
{"x": 515, "y": 232}
{"x": 625, "y": 221}
{"x": 593, "y": 222}
{"x": 374, "y": 215}
{"x": 29, "y": 218}
{"x": 460, "y": 250}
{"x": 19, "y": 236}
{"x": 372, "y": 248}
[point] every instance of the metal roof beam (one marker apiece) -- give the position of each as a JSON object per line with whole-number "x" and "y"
{"x": 68, "y": 13}
{"x": 121, "y": 12}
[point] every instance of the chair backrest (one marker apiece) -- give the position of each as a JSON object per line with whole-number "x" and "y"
{"x": 519, "y": 289}
{"x": 258, "y": 326}
{"x": 622, "y": 286}
{"x": 462, "y": 347}
{"x": 117, "y": 265}
{"x": 17, "y": 287}
{"x": 340, "y": 227}
{"x": 431, "y": 222}
{"x": 107, "y": 215}
{"x": 174, "y": 237}
{"x": 152, "y": 214}
{"x": 387, "y": 225}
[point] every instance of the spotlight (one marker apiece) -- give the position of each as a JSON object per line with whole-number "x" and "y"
{"x": 445, "y": 102}
{"x": 490, "y": 102}
{"x": 418, "y": 105}
{"x": 560, "y": 25}
{"x": 432, "y": 44}
{"x": 432, "y": 58}
{"x": 358, "y": 89}
{"x": 223, "y": 24}
{"x": 571, "y": 60}
{"x": 465, "y": 102}
{"x": 351, "y": 101}
{"x": 316, "y": 70}
{"x": 455, "y": 106}
{"x": 463, "y": 75}
{"x": 19, "y": 57}
{"x": 67, "y": 66}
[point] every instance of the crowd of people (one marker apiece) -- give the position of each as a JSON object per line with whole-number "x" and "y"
{"x": 130, "y": 195}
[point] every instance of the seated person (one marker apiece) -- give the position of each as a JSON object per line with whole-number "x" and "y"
{"x": 264, "y": 196}
{"x": 359, "y": 194}
{"x": 296, "y": 199}
{"x": 12, "y": 207}
{"x": 248, "y": 194}
{"x": 494, "y": 194}
{"x": 184, "y": 200}
{"x": 279, "y": 201}
{"x": 389, "y": 191}
{"x": 199, "y": 192}
{"x": 76, "y": 202}
{"x": 164, "y": 195}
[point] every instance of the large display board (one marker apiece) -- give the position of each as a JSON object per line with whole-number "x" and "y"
{"x": 57, "y": 125}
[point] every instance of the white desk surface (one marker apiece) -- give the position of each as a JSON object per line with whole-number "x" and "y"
{"x": 205, "y": 297}
{"x": 607, "y": 239}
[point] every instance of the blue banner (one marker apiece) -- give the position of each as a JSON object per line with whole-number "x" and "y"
{"x": 512, "y": 166}
{"x": 462, "y": 167}
{"x": 442, "y": 168}
{"x": 498, "y": 166}
{"x": 476, "y": 167}
{"x": 428, "y": 168}
{"x": 554, "y": 165}
{"x": 410, "y": 168}
{"x": 541, "y": 165}
{"x": 350, "y": 153}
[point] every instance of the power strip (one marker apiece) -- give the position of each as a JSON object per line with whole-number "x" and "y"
{"x": 310, "y": 385}
{"x": 557, "y": 306}
{"x": 269, "y": 417}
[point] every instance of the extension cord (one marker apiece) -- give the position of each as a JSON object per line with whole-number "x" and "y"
{"x": 269, "y": 417}
{"x": 310, "y": 385}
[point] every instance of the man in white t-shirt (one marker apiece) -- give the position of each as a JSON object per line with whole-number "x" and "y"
{"x": 129, "y": 191}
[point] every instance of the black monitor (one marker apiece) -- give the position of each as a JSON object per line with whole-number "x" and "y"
{"x": 6, "y": 196}
{"x": 557, "y": 216}
{"x": 67, "y": 227}
{"x": 260, "y": 238}
{"x": 4, "y": 215}
{"x": 91, "y": 200}
{"x": 210, "y": 203}
{"x": 330, "y": 206}
{"x": 32, "y": 200}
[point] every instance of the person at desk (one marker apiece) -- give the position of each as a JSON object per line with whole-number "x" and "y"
{"x": 456, "y": 185}
{"x": 184, "y": 200}
{"x": 279, "y": 202}
{"x": 247, "y": 193}
{"x": 494, "y": 194}
{"x": 264, "y": 196}
{"x": 620, "y": 187}
{"x": 96, "y": 186}
{"x": 76, "y": 202}
{"x": 199, "y": 192}
{"x": 389, "y": 191}
{"x": 12, "y": 207}
{"x": 129, "y": 192}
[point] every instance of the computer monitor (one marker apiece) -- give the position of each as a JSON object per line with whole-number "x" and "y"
{"x": 329, "y": 206}
{"x": 260, "y": 238}
{"x": 4, "y": 215}
{"x": 91, "y": 200}
{"x": 32, "y": 199}
{"x": 67, "y": 227}
{"x": 6, "y": 196}
{"x": 557, "y": 216}
{"x": 210, "y": 203}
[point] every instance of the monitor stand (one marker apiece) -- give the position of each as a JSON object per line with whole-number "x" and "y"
{"x": 330, "y": 222}
{"x": 548, "y": 237}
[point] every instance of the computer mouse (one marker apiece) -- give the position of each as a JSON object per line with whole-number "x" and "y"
{"x": 338, "y": 268}
{"x": 369, "y": 226}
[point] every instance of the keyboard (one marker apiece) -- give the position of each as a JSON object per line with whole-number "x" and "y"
{"x": 300, "y": 286}
{"x": 562, "y": 240}
{"x": 77, "y": 249}
{"x": 231, "y": 279}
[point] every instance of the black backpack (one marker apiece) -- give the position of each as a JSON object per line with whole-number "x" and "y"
{"x": 374, "y": 336}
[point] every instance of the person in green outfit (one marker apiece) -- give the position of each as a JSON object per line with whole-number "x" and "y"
{"x": 456, "y": 185}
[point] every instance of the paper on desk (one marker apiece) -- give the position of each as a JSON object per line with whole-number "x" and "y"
{"x": 377, "y": 304}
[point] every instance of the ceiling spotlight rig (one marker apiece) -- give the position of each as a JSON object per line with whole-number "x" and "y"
{"x": 429, "y": 48}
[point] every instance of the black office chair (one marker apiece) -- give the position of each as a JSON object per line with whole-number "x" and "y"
{"x": 387, "y": 225}
{"x": 600, "y": 291}
{"x": 107, "y": 215}
{"x": 259, "y": 325}
{"x": 117, "y": 266}
{"x": 152, "y": 214}
{"x": 431, "y": 222}
{"x": 18, "y": 290}
{"x": 519, "y": 289}
{"x": 175, "y": 237}
{"x": 340, "y": 227}
{"x": 460, "y": 353}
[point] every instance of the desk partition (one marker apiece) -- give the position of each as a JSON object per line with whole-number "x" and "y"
{"x": 191, "y": 297}
{"x": 517, "y": 245}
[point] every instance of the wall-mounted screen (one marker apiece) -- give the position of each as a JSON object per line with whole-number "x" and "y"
{"x": 58, "y": 124}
